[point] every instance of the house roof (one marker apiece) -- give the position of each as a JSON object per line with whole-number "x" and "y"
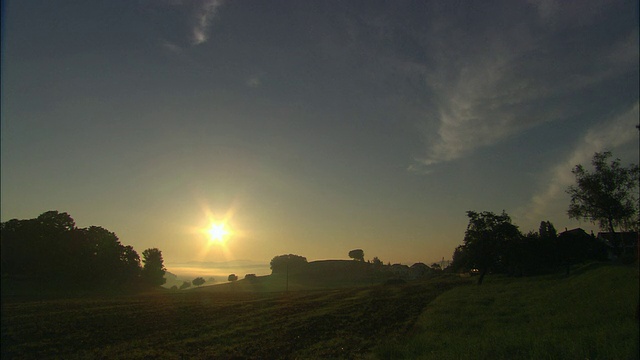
{"x": 578, "y": 232}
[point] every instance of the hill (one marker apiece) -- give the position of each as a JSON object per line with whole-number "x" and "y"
{"x": 591, "y": 314}
{"x": 316, "y": 275}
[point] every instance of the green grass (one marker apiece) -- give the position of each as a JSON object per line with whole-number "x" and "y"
{"x": 591, "y": 314}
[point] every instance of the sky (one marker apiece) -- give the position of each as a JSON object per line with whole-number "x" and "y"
{"x": 310, "y": 127}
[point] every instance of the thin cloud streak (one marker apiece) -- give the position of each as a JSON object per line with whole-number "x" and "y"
{"x": 604, "y": 136}
{"x": 489, "y": 92}
{"x": 203, "y": 18}
{"x": 171, "y": 47}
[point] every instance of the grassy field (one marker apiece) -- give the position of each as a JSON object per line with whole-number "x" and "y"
{"x": 591, "y": 314}
{"x": 206, "y": 324}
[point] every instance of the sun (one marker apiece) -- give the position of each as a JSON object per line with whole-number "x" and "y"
{"x": 217, "y": 233}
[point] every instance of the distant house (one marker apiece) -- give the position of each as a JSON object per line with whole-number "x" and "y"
{"x": 419, "y": 270}
{"x": 576, "y": 245}
{"x": 574, "y": 233}
{"x": 620, "y": 244}
{"x": 402, "y": 271}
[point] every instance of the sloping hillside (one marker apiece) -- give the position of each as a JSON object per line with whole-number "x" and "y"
{"x": 323, "y": 274}
{"x": 592, "y": 314}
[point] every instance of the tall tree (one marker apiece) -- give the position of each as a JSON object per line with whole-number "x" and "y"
{"x": 487, "y": 237}
{"x": 130, "y": 262}
{"x": 608, "y": 195}
{"x": 547, "y": 230}
{"x": 153, "y": 269}
{"x": 105, "y": 254}
{"x": 548, "y": 246}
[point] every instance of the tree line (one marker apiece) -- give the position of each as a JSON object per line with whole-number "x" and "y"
{"x": 51, "y": 249}
{"x": 607, "y": 196}
{"x": 492, "y": 243}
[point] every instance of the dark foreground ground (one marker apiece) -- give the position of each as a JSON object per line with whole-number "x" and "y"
{"x": 344, "y": 323}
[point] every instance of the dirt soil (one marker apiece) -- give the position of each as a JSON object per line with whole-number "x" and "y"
{"x": 344, "y": 324}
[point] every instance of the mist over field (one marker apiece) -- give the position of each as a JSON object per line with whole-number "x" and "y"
{"x": 219, "y": 270}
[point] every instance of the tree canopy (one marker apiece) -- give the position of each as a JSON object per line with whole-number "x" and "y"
{"x": 153, "y": 270}
{"x": 51, "y": 249}
{"x": 485, "y": 242}
{"x": 291, "y": 262}
{"x": 357, "y": 254}
{"x": 608, "y": 195}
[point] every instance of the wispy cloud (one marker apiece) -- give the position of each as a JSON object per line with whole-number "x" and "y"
{"x": 171, "y": 47}
{"x": 607, "y": 135}
{"x": 182, "y": 23}
{"x": 491, "y": 82}
{"x": 204, "y": 14}
{"x": 254, "y": 82}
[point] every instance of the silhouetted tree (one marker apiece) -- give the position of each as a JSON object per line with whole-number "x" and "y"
{"x": 607, "y": 196}
{"x": 250, "y": 277}
{"x": 232, "y": 277}
{"x": 525, "y": 255}
{"x": 56, "y": 221}
{"x": 17, "y": 237}
{"x": 174, "y": 288}
{"x": 357, "y": 254}
{"x": 185, "y": 285}
{"x": 153, "y": 269}
{"x": 485, "y": 240}
{"x": 436, "y": 267}
{"x": 50, "y": 248}
{"x": 460, "y": 260}
{"x": 107, "y": 265}
{"x": 549, "y": 244}
{"x": 290, "y": 262}
{"x": 130, "y": 261}
{"x": 377, "y": 263}
{"x": 198, "y": 281}
{"x": 547, "y": 230}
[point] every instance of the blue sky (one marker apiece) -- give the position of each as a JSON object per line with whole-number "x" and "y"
{"x": 310, "y": 127}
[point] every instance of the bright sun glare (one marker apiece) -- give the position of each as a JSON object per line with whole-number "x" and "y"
{"x": 217, "y": 232}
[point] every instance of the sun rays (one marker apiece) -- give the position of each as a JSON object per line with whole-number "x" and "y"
{"x": 216, "y": 232}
